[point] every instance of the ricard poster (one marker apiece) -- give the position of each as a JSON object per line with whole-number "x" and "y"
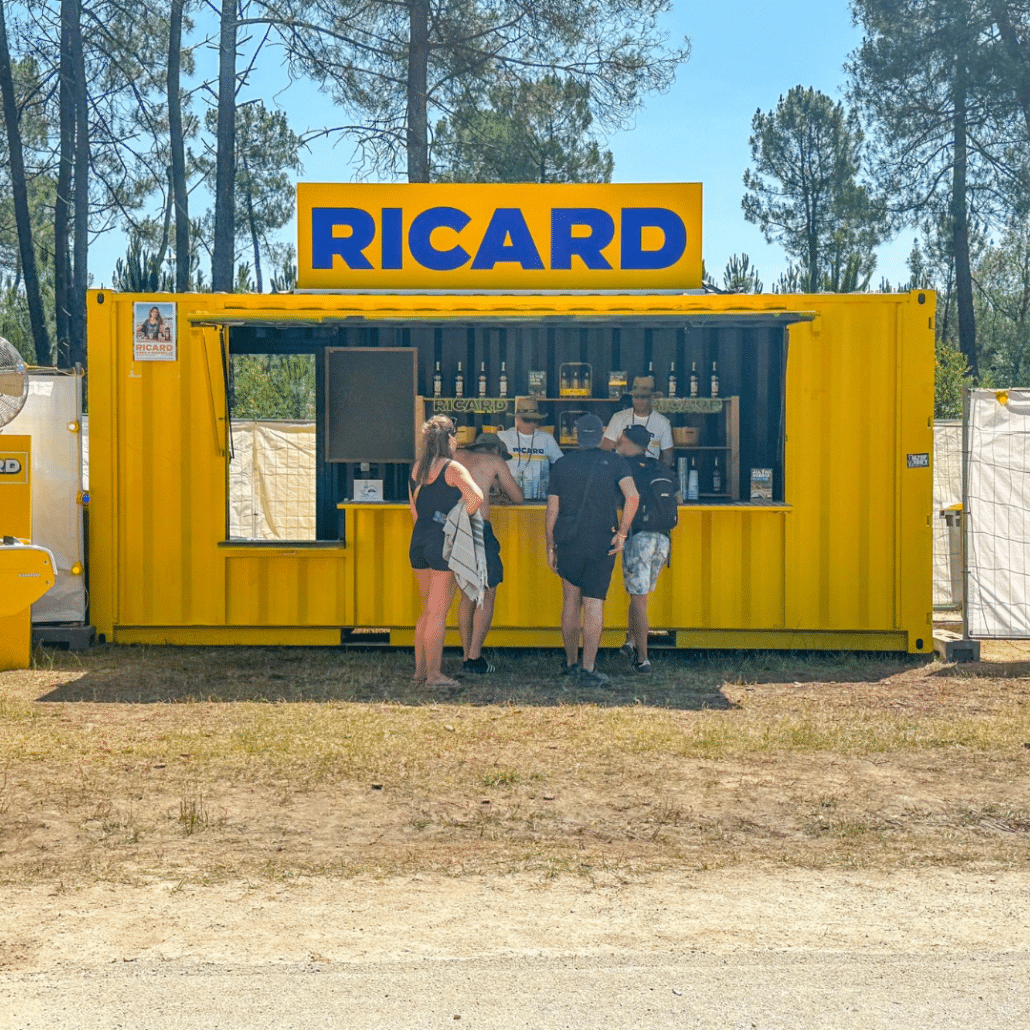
{"x": 153, "y": 331}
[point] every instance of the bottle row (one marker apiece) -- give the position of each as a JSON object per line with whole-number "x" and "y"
{"x": 570, "y": 384}
{"x": 690, "y": 478}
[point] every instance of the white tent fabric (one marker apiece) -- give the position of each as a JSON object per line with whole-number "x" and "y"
{"x": 998, "y": 517}
{"x": 947, "y": 491}
{"x": 272, "y": 481}
{"x": 52, "y": 407}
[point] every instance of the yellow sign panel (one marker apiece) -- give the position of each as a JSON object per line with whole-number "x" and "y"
{"x": 459, "y": 236}
{"x": 14, "y": 468}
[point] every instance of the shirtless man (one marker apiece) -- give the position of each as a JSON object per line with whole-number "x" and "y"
{"x": 486, "y": 461}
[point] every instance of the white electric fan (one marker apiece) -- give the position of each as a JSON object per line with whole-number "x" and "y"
{"x": 14, "y": 382}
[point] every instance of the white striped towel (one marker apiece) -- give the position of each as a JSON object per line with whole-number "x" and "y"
{"x": 465, "y": 551}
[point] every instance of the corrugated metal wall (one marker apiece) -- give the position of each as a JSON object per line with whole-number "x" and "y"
{"x": 846, "y": 562}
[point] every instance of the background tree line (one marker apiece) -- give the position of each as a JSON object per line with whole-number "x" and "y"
{"x": 113, "y": 111}
{"x": 151, "y": 119}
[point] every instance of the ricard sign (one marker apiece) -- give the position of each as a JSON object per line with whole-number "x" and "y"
{"x": 451, "y": 236}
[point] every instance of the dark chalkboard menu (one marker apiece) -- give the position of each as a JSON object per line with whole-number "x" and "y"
{"x": 370, "y": 403}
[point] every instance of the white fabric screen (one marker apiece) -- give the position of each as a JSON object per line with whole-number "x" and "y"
{"x": 272, "y": 481}
{"x": 52, "y": 407}
{"x": 947, "y": 491}
{"x": 998, "y": 516}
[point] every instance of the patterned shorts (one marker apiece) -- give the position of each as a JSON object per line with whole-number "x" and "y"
{"x": 643, "y": 557}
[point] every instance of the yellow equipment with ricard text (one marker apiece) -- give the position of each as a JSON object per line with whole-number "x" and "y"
{"x": 26, "y": 571}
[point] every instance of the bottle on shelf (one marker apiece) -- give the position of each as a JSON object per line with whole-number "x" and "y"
{"x": 502, "y": 386}
{"x": 716, "y": 478}
{"x": 482, "y": 379}
{"x": 715, "y": 381}
{"x": 692, "y": 486}
{"x": 672, "y": 380}
{"x": 437, "y": 381}
{"x": 694, "y": 381}
{"x": 566, "y": 381}
{"x": 459, "y": 382}
{"x": 650, "y": 370}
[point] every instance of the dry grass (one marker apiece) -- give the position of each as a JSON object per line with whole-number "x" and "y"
{"x": 206, "y": 764}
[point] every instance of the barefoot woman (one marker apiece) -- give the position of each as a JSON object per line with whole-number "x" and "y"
{"x": 436, "y": 487}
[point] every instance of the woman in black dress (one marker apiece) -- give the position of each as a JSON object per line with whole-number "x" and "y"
{"x": 437, "y": 485}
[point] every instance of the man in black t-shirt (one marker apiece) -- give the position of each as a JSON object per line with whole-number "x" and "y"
{"x": 585, "y": 491}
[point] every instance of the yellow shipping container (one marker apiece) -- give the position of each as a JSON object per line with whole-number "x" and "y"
{"x": 842, "y": 559}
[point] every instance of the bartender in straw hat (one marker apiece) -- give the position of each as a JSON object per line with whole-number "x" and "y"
{"x": 642, "y": 414}
{"x": 528, "y": 445}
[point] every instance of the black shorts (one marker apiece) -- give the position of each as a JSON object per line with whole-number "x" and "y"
{"x": 494, "y": 567}
{"x": 426, "y": 550}
{"x": 589, "y": 571}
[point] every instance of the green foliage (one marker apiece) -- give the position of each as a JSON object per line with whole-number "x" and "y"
{"x": 539, "y": 131}
{"x": 740, "y": 276}
{"x": 142, "y": 271}
{"x": 267, "y": 165}
{"x": 273, "y": 386}
{"x": 400, "y": 68}
{"x": 951, "y": 373}
{"x": 804, "y": 192}
{"x": 1002, "y": 303}
{"x": 15, "y": 326}
{"x": 284, "y": 278}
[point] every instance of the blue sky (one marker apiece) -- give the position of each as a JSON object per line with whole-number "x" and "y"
{"x": 745, "y": 55}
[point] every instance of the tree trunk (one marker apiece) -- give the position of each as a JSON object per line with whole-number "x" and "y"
{"x": 19, "y": 190}
{"x": 80, "y": 249}
{"x": 223, "y": 255}
{"x": 247, "y": 185}
{"x": 177, "y": 145}
{"x": 1020, "y": 68}
{"x": 418, "y": 73}
{"x": 63, "y": 200}
{"x": 960, "y": 228}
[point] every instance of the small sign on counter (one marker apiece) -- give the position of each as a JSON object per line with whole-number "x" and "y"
{"x": 761, "y": 484}
{"x": 368, "y": 489}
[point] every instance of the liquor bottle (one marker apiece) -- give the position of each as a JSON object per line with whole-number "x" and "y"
{"x": 566, "y": 382}
{"x": 692, "y": 490}
{"x": 715, "y": 381}
{"x": 502, "y": 386}
{"x": 650, "y": 370}
{"x": 693, "y": 379}
{"x": 672, "y": 379}
{"x": 716, "y": 478}
{"x": 482, "y": 379}
{"x": 437, "y": 382}
{"x": 459, "y": 382}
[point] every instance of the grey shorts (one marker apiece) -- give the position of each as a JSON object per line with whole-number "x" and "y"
{"x": 643, "y": 557}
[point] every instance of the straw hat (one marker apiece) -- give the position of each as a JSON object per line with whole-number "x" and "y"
{"x": 527, "y": 408}
{"x": 643, "y": 386}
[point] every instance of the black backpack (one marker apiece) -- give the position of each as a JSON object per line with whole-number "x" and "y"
{"x": 658, "y": 511}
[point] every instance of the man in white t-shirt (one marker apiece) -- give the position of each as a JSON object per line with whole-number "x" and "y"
{"x": 642, "y": 414}
{"x": 532, "y": 450}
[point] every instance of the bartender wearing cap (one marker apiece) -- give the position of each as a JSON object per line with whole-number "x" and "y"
{"x": 532, "y": 450}
{"x": 642, "y": 414}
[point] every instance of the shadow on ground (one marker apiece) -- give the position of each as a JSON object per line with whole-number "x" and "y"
{"x": 681, "y": 680}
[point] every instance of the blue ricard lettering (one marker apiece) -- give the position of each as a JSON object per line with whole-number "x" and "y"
{"x": 523, "y": 236}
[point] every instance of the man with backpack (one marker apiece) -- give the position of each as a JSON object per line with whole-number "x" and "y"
{"x": 647, "y": 548}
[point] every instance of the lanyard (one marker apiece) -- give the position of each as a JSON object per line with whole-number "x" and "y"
{"x": 521, "y": 450}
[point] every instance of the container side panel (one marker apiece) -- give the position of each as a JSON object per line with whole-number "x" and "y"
{"x": 288, "y": 589}
{"x": 841, "y": 465}
{"x": 104, "y": 550}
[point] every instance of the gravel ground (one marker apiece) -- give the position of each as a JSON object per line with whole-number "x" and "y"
{"x": 730, "y": 949}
